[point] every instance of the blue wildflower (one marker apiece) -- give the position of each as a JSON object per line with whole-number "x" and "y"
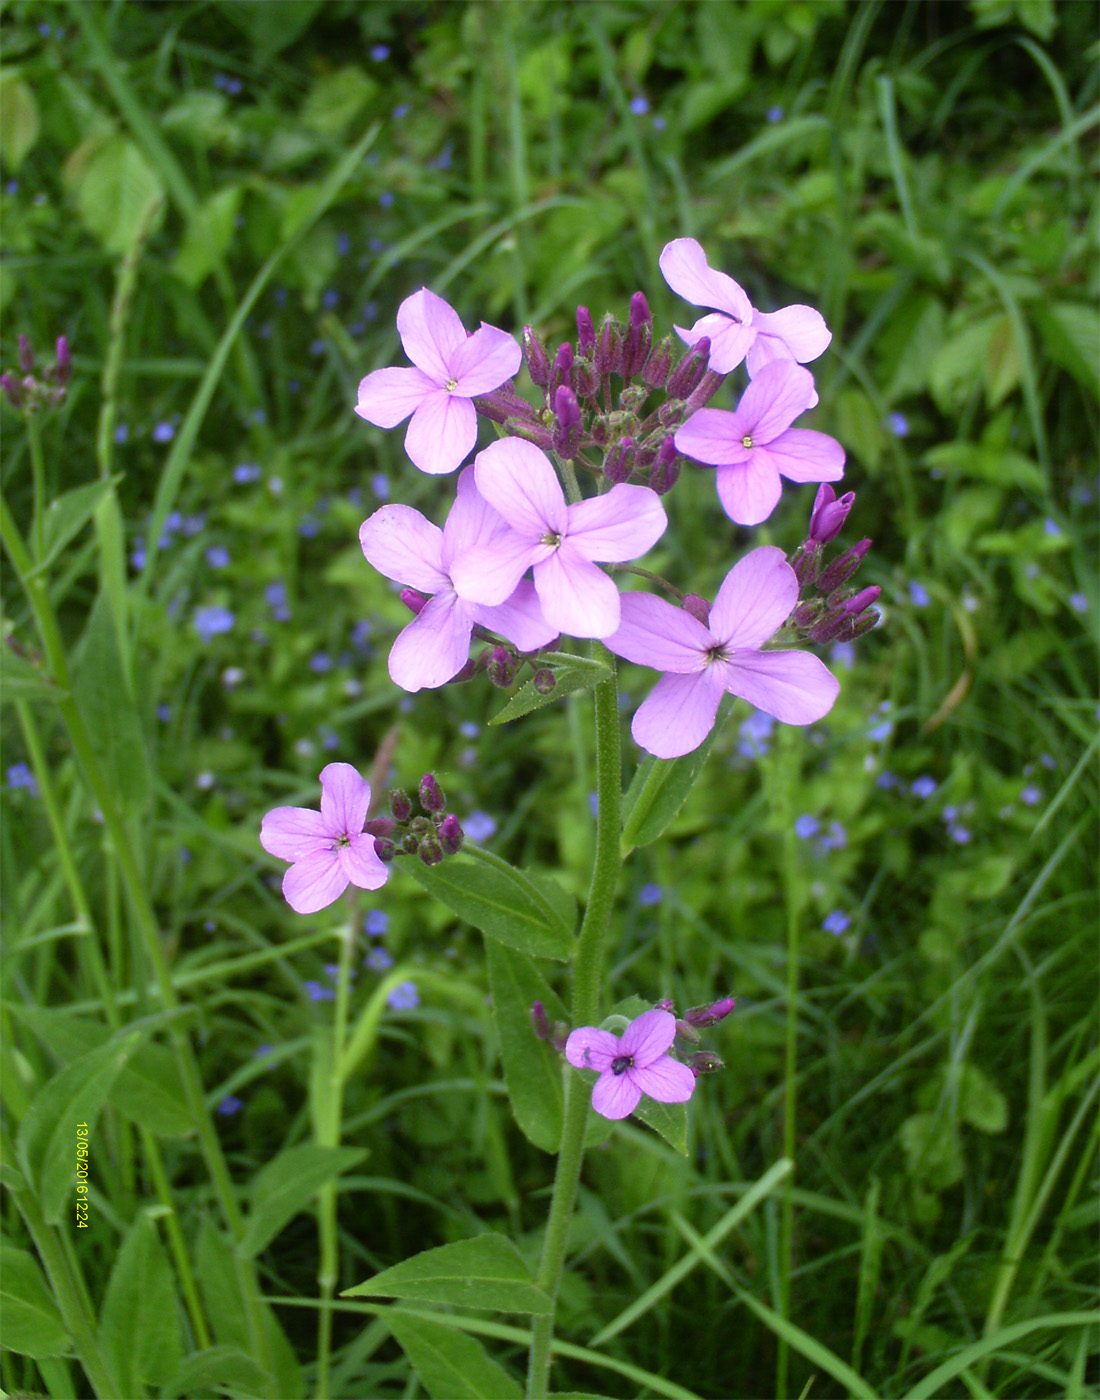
{"x": 899, "y": 424}
{"x": 639, "y": 105}
{"x": 320, "y": 663}
{"x": 246, "y": 472}
{"x": 20, "y": 776}
{"x": 404, "y": 997}
{"x": 217, "y": 556}
{"x": 649, "y": 895}
{"x": 918, "y": 595}
{"x": 229, "y": 1105}
{"x": 164, "y": 432}
{"x": 923, "y": 786}
{"x": 378, "y": 960}
{"x": 212, "y": 621}
{"x": 376, "y": 923}
{"x": 316, "y": 991}
{"x": 805, "y": 827}
{"x": 380, "y": 52}
{"x": 479, "y": 827}
{"x": 836, "y": 923}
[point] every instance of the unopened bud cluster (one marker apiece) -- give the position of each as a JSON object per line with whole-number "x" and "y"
{"x": 433, "y": 836}
{"x": 554, "y": 1033}
{"x": 581, "y": 420}
{"x": 830, "y": 610}
{"x": 29, "y": 393}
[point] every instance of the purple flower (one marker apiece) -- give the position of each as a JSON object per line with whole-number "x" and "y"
{"x": 164, "y": 432}
{"x": 836, "y": 923}
{"x": 1078, "y": 602}
{"x": 479, "y": 827}
{"x": 756, "y": 444}
{"x": 376, "y": 923}
{"x": 20, "y": 776}
{"x": 451, "y": 370}
{"x": 378, "y": 960}
{"x": 217, "y": 556}
{"x": 805, "y": 827}
{"x": 923, "y": 787}
{"x": 317, "y": 991}
{"x": 632, "y": 1064}
{"x": 562, "y": 542}
{"x": 899, "y": 424}
{"x": 403, "y": 997}
{"x": 320, "y": 663}
{"x": 755, "y": 733}
{"x": 649, "y": 895}
{"x": 329, "y": 849}
{"x": 1031, "y": 795}
{"x": 122, "y": 432}
{"x": 701, "y": 662}
{"x": 736, "y": 331}
{"x": 958, "y": 833}
{"x": 835, "y": 839}
{"x": 918, "y": 594}
{"x": 639, "y": 105}
{"x": 405, "y": 547}
{"x": 229, "y": 1105}
{"x": 774, "y": 114}
{"x": 210, "y": 622}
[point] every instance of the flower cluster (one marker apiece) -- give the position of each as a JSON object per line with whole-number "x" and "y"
{"x": 26, "y": 391}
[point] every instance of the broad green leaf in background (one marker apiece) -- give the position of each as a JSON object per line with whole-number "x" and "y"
{"x": 217, "y": 1369}
{"x": 116, "y": 186}
{"x": 451, "y": 1364}
{"x": 670, "y": 1120}
{"x": 47, "y": 1139}
{"x": 487, "y": 1271}
{"x": 501, "y": 902}
{"x": 271, "y": 28}
{"x": 661, "y": 786}
{"x": 286, "y": 1185}
{"x": 208, "y": 236}
{"x": 67, "y": 515}
{"x": 139, "y": 1322}
{"x": 335, "y": 100}
{"x": 932, "y": 1150}
{"x": 532, "y": 1067}
{"x": 981, "y": 463}
{"x": 109, "y": 712}
{"x": 32, "y": 1323}
{"x": 1071, "y": 337}
{"x": 19, "y": 680}
{"x": 18, "y": 119}
{"x": 981, "y": 1103}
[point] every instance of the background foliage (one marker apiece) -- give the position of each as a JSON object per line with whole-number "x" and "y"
{"x": 925, "y": 174}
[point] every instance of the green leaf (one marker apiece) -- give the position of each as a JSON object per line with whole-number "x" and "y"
{"x": 19, "y": 123}
{"x": 502, "y": 902}
{"x": 933, "y": 1150}
{"x": 215, "y": 1370}
{"x": 117, "y": 187}
{"x": 567, "y": 680}
{"x": 286, "y": 1186}
{"x": 335, "y": 100}
{"x": 109, "y": 712}
{"x": 19, "y": 680}
{"x": 986, "y": 463}
{"x": 47, "y": 1142}
{"x": 1071, "y": 337}
{"x": 32, "y": 1323}
{"x": 661, "y": 786}
{"x": 451, "y": 1364}
{"x": 271, "y": 28}
{"x": 809, "y": 1347}
{"x": 532, "y": 1068}
{"x": 208, "y": 236}
{"x": 68, "y": 514}
{"x": 139, "y": 1322}
{"x": 670, "y": 1120}
{"x": 485, "y": 1272}
{"x": 981, "y": 1103}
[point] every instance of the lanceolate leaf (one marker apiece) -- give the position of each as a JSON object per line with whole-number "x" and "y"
{"x": 287, "y": 1185}
{"x": 32, "y": 1324}
{"x": 532, "y": 1067}
{"x": 139, "y": 1323}
{"x": 451, "y": 1364}
{"x": 485, "y": 1272}
{"x": 500, "y": 901}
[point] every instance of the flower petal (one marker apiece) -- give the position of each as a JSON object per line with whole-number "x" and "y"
{"x": 443, "y": 431}
{"x": 756, "y": 598}
{"x": 801, "y": 454}
{"x": 345, "y": 797}
{"x": 666, "y": 1080}
{"x": 484, "y": 361}
{"x": 590, "y": 1048}
{"x": 678, "y": 713}
{"x": 800, "y": 330}
{"x": 388, "y": 396}
{"x": 360, "y": 864}
{"x": 435, "y": 645}
{"x": 576, "y": 596}
{"x": 624, "y": 524}
{"x": 653, "y": 633}
{"x": 518, "y": 481}
{"x": 292, "y": 833}
{"x": 472, "y": 520}
{"x": 712, "y": 435}
{"x": 615, "y": 1095}
{"x": 730, "y": 341}
{"x": 405, "y": 547}
{"x": 684, "y": 267}
{"x": 314, "y": 883}
{"x": 648, "y": 1036}
{"x": 431, "y": 332}
{"x": 490, "y": 573}
{"x": 519, "y": 618}
{"x": 749, "y": 491}
{"x": 794, "y": 686}
{"x": 774, "y": 399}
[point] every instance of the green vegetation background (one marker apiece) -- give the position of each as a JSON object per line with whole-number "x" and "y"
{"x": 926, "y": 175}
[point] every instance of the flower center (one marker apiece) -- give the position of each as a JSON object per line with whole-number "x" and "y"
{"x": 621, "y": 1063}
{"x": 746, "y": 442}
{"x": 551, "y": 538}
{"x": 715, "y": 653}
{"x": 342, "y": 840}
{"x": 451, "y": 385}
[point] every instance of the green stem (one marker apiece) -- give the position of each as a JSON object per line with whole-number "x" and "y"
{"x": 38, "y": 471}
{"x": 587, "y": 977}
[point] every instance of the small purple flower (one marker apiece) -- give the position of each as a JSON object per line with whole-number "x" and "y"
{"x": 650, "y": 895}
{"x": 210, "y": 622}
{"x": 192, "y": 525}
{"x": 1051, "y": 527}
{"x": 805, "y": 827}
{"x": 262, "y": 1050}
{"x": 958, "y": 833}
{"x": 328, "y": 849}
{"x": 843, "y": 655}
{"x": 164, "y": 713}
{"x": 401, "y": 111}
{"x": 451, "y": 369}
{"x": 594, "y": 803}
{"x": 479, "y": 827}
{"x": 639, "y": 105}
{"x": 887, "y": 780}
{"x": 320, "y": 663}
{"x": 385, "y": 199}
{"x": 1079, "y": 603}
{"x": 164, "y": 432}
{"x": 317, "y": 991}
{"x": 633, "y": 1064}
{"x": 923, "y": 787}
{"x": 379, "y": 52}
{"x": 380, "y": 485}
{"x": 660, "y": 123}
{"x": 122, "y": 432}
{"x": 836, "y": 923}
{"x": 217, "y": 556}
{"x": 1031, "y": 795}
{"x": 20, "y": 776}
{"x": 918, "y": 594}
{"x": 898, "y": 424}
{"x": 378, "y": 960}
{"x": 835, "y": 839}
{"x": 376, "y": 923}
{"x": 229, "y": 1105}
{"x": 247, "y": 472}
{"x": 774, "y": 114}
{"x": 403, "y": 997}
{"x": 755, "y": 733}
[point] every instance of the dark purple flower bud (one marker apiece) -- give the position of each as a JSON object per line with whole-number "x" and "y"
{"x": 422, "y": 827}
{"x": 842, "y": 569}
{"x": 847, "y": 615}
{"x": 413, "y": 600}
{"x": 504, "y": 403}
{"x": 828, "y": 515}
{"x": 710, "y": 1014}
{"x": 540, "y": 1022}
{"x": 13, "y": 390}
{"x": 706, "y": 389}
{"x": 586, "y": 384}
{"x": 544, "y": 681}
{"x": 655, "y": 371}
{"x": 468, "y": 672}
{"x": 698, "y": 607}
{"x": 639, "y": 336}
{"x": 431, "y": 794}
{"x": 586, "y": 332}
{"x": 639, "y": 311}
{"x": 685, "y": 378}
{"x": 619, "y": 462}
{"x": 531, "y": 432}
{"x": 670, "y": 413}
{"x": 562, "y": 371}
{"x": 866, "y": 598}
{"x": 538, "y": 362}
{"x": 451, "y": 835}
{"x": 704, "y": 1062}
{"x": 567, "y": 439}
{"x": 430, "y": 852}
{"x": 609, "y": 349}
{"x": 807, "y": 614}
{"x": 410, "y": 844}
{"x": 666, "y": 469}
{"x": 379, "y": 826}
{"x": 806, "y": 562}
{"x": 26, "y": 355}
{"x": 857, "y": 626}
{"x": 64, "y": 361}
{"x": 686, "y": 1031}
{"x": 400, "y": 805}
{"x": 666, "y": 1004}
{"x": 384, "y": 849}
{"x": 501, "y": 669}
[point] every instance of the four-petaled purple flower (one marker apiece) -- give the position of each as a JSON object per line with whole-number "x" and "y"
{"x": 434, "y": 647}
{"x": 701, "y": 662}
{"x": 561, "y": 541}
{"x": 451, "y": 369}
{"x": 755, "y": 445}
{"x": 328, "y": 849}
{"x": 735, "y": 329}
{"x": 633, "y": 1064}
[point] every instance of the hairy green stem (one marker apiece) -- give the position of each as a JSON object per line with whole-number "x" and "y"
{"x": 38, "y": 472}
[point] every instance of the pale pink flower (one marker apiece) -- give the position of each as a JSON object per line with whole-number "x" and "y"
{"x": 329, "y": 849}
{"x": 434, "y": 647}
{"x": 451, "y": 369}
{"x": 736, "y": 330}
{"x": 560, "y": 541}
{"x": 632, "y": 1064}
{"x": 704, "y": 660}
{"x": 755, "y": 445}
